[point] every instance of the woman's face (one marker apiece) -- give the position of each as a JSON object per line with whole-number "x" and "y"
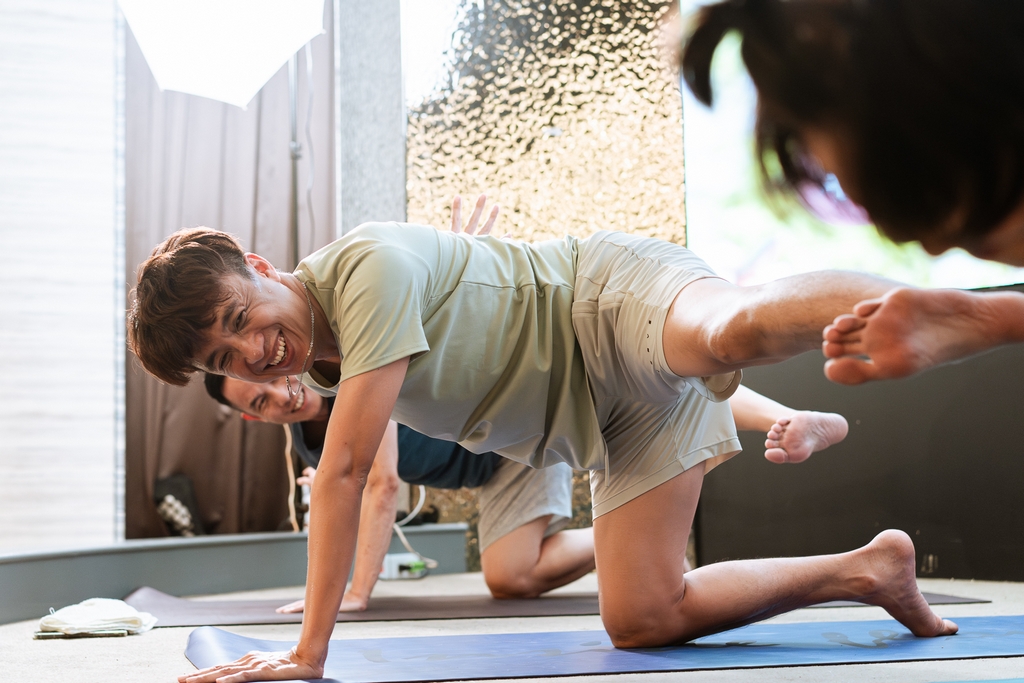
{"x": 262, "y": 331}
{"x": 271, "y": 401}
{"x": 1004, "y": 243}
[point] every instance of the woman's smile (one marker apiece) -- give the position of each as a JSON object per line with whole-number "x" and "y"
{"x": 281, "y": 347}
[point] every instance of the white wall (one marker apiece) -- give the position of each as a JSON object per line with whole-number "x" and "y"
{"x": 57, "y": 274}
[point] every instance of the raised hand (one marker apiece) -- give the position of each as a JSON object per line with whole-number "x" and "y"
{"x": 471, "y": 228}
{"x": 292, "y": 607}
{"x": 308, "y": 475}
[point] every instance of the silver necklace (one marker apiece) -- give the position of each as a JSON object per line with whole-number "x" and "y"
{"x": 312, "y": 323}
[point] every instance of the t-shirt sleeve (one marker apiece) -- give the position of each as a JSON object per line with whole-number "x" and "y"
{"x": 380, "y": 309}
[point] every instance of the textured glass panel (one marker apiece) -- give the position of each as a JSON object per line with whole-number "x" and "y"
{"x": 565, "y": 113}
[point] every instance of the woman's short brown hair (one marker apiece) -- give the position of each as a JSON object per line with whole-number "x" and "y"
{"x": 927, "y": 96}
{"x": 176, "y": 298}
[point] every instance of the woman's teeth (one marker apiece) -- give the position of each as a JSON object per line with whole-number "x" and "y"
{"x": 280, "y": 353}
{"x": 300, "y": 400}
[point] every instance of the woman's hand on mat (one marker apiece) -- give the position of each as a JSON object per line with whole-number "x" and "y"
{"x": 353, "y": 603}
{"x": 292, "y": 607}
{"x": 350, "y": 603}
{"x": 471, "y": 228}
{"x": 258, "y": 666}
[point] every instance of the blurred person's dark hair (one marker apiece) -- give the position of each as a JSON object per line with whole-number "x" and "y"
{"x": 926, "y": 97}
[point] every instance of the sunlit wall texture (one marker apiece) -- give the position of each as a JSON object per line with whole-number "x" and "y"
{"x": 566, "y": 113}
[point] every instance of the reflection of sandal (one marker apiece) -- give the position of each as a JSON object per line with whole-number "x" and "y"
{"x": 175, "y": 500}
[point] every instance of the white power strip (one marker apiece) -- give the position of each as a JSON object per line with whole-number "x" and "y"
{"x": 402, "y": 566}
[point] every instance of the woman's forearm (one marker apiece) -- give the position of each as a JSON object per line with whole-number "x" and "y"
{"x": 333, "y": 523}
{"x": 357, "y": 425}
{"x": 375, "y": 522}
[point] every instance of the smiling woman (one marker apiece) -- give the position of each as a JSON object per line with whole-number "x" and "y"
{"x": 202, "y": 303}
{"x": 184, "y": 292}
{"x": 269, "y": 402}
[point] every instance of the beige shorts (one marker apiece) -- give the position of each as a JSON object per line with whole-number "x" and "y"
{"x": 656, "y": 424}
{"x": 517, "y": 494}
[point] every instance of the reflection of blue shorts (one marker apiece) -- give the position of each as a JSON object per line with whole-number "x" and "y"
{"x": 518, "y": 494}
{"x": 657, "y": 425}
{"x": 441, "y": 464}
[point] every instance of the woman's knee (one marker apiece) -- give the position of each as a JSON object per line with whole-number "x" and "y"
{"x": 632, "y": 630}
{"x": 644, "y": 622}
{"x": 510, "y": 586}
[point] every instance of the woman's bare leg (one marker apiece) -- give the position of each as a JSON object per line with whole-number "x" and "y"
{"x": 524, "y": 564}
{"x": 792, "y": 435}
{"x": 647, "y": 601}
{"x": 714, "y": 327}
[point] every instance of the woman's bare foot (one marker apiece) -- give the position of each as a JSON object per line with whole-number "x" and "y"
{"x": 887, "y": 570}
{"x": 794, "y": 438}
{"x": 909, "y": 330}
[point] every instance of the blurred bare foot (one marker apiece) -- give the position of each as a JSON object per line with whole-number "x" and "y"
{"x": 909, "y": 330}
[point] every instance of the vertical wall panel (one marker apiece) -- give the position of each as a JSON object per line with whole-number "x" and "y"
{"x": 202, "y": 163}
{"x": 272, "y": 217}
{"x": 322, "y": 129}
{"x": 372, "y": 113}
{"x": 57, "y": 301}
{"x": 238, "y": 152}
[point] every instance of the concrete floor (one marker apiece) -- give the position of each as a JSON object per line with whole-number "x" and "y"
{"x": 158, "y": 655}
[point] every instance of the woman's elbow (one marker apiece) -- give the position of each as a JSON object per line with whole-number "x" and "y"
{"x": 385, "y": 486}
{"x": 347, "y": 479}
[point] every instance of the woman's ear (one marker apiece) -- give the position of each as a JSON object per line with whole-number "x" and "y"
{"x": 262, "y": 266}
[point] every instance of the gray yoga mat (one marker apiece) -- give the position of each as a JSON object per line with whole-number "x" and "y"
{"x": 172, "y": 611}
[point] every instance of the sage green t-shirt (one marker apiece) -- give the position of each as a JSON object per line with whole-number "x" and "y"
{"x": 488, "y": 325}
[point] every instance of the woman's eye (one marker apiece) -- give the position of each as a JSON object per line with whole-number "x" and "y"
{"x": 240, "y": 320}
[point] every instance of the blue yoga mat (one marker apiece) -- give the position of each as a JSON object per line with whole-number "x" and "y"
{"x": 566, "y": 653}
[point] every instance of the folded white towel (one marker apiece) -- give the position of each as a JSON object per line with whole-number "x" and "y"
{"x": 97, "y": 614}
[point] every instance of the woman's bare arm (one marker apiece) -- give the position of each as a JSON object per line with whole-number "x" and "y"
{"x": 376, "y": 518}
{"x": 360, "y": 415}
